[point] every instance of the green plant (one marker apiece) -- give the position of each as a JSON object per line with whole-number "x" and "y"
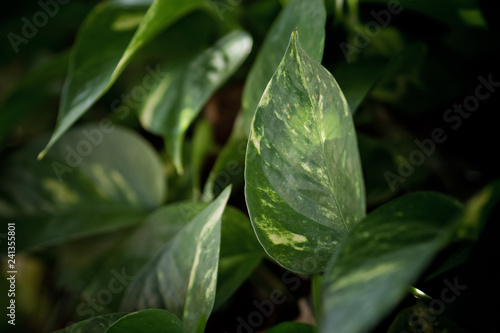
{"x": 132, "y": 215}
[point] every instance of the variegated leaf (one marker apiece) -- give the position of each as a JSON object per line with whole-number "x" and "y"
{"x": 171, "y": 108}
{"x": 382, "y": 255}
{"x": 304, "y": 186}
{"x": 182, "y": 276}
{"x": 307, "y": 15}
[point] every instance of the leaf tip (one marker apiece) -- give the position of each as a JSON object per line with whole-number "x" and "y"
{"x": 41, "y": 155}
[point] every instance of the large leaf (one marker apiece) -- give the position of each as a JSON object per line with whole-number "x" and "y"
{"x": 309, "y": 16}
{"x": 182, "y": 276}
{"x": 125, "y": 253}
{"x": 151, "y": 321}
{"x": 178, "y": 99}
{"x": 304, "y": 188}
{"x": 384, "y": 253}
{"x": 94, "y": 325}
{"x": 105, "y": 45}
{"x": 91, "y": 182}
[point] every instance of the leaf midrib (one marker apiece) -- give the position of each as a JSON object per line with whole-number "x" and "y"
{"x": 296, "y": 46}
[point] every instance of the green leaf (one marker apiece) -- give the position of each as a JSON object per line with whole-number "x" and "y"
{"x": 384, "y": 253}
{"x": 93, "y": 325}
{"x": 309, "y": 16}
{"x": 203, "y": 144}
{"x": 477, "y": 212}
{"x": 228, "y": 168}
{"x": 291, "y": 327}
{"x": 151, "y": 321}
{"x": 240, "y": 254}
{"x": 316, "y": 296}
{"x": 127, "y": 251}
{"x": 304, "y": 187}
{"x": 105, "y": 45}
{"x": 470, "y": 225}
{"x": 182, "y": 276}
{"x": 178, "y": 99}
{"x": 91, "y": 182}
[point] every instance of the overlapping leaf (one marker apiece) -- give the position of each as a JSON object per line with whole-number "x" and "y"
{"x": 105, "y": 45}
{"x": 91, "y": 182}
{"x": 182, "y": 276}
{"x": 151, "y": 321}
{"x": 178, "y": 99}
{"x": 304, "y": 187}
{"x": 381, "y": 256}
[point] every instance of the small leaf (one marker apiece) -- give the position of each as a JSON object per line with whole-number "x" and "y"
{"x": 477, "y": 212}
{"x": 384, "y": 253}
{"x": 94, "y": 325}
{"x": 178, "y": 99}
{"x": 151, "y": 321}
{"x": 91, "y": 182}
{"x": 105, "y": 45}
{"x": 304, "y": 187}
{"x": 182, "y": 276}
{"x": 309, "y": 16}
{"x": 291, "y": 327}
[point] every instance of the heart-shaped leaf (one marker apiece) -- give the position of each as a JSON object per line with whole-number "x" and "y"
{"x": 91, "y": 182}
{"x": 178, "y": 99}
{"x": 182, "y": 276}
{"x": 309, "y": 16}
{"x": 303, "y": 182}
{"x": 381, "y": 256}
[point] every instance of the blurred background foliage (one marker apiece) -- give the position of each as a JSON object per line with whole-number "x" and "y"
{"x": 427, "y": 59}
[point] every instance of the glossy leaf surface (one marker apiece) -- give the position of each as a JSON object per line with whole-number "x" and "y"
{"x": 304, "y": 187}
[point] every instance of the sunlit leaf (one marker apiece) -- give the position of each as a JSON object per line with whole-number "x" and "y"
{"x": 304, "y": 187}
{"x": 309, "y": 16}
